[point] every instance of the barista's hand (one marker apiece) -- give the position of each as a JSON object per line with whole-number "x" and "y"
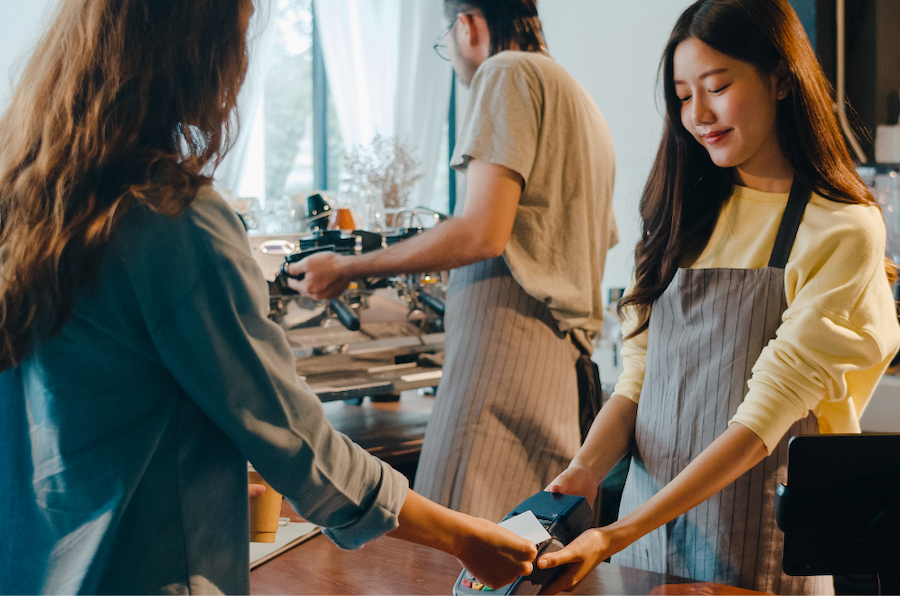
{"x": 580, "y": 557}
{"x": 575, "y": 480}
{"x": 496, "y": 556}
{"x": 326, "y": 275}
{"x": 254, "y": 490}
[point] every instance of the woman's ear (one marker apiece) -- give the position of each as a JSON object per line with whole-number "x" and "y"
{"x": 784, "y": 80}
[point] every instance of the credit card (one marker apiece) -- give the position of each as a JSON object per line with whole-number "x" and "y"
{"x": 527, "y": 526}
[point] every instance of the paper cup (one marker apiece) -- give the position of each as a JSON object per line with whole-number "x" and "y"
{"x": 343, "y": 220}
{"x": 264, "y": 511}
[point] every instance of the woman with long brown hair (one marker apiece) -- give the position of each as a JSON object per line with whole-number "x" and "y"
{"x": 138, "y": 369}
{"x": 761, "y": 307}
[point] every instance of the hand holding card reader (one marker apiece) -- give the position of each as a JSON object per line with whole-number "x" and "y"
{"x": 564, "y": 517}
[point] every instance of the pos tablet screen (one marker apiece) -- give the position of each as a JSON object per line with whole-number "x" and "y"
{"x": 840, "y": 508}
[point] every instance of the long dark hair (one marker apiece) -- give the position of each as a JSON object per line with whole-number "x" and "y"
{"x": 510, "y": 22}
{"x": 685, "y": 190}
{"x": 122, "y": 102}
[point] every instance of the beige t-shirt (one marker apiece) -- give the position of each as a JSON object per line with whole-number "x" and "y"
{"x": 839, "y": 331}
{"x": 528, "y": 114}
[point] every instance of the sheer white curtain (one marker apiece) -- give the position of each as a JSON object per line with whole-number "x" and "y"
{"x": 242, "y": 172}
{"x": 384, "y": 76}
{"x": 422, "y": 89}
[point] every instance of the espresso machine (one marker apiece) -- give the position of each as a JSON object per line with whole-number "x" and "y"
{"x": 381, "y": 336}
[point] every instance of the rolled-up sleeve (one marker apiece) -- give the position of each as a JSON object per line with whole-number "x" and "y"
{"x": 235, "y": 363}
{"x": 837, "y": 336}
{"x": 634, "y": 354}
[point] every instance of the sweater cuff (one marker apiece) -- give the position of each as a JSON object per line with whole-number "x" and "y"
{"x": 767, "y": 416}
{"x": 629, "y": 387}
{"x": 380, "y": 518}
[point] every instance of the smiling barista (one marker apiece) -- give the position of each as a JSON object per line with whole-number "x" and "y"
{"x": 527, "y": 249}
{"x": 761, "y": 307}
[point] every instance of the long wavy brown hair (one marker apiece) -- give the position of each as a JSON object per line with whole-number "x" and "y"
{"x": 685, "y": 190}
{"x": 121, "y": 102}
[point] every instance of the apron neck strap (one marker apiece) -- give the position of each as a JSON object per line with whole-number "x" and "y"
{"x": 790, "y": 223}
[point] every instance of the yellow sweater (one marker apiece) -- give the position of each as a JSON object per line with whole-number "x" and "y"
{"x": 839, "y": 331}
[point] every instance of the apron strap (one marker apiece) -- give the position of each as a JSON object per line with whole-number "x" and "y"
{"x": 790, "y": 223}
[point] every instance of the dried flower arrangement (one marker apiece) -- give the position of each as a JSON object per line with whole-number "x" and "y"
{"x": 387, "y": 166}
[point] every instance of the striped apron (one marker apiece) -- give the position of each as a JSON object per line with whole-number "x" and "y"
{"x": 706, "y": 332}
{"x": 505, "y": 420}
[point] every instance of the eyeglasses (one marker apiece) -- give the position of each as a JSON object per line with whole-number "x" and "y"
{"x": 440, "y": 45}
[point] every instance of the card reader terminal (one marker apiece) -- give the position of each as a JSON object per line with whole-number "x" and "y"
{"x": 563, "y": 516}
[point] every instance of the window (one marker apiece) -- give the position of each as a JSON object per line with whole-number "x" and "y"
{"x": 297, "y": 105}
{"x": 303, "y": 145}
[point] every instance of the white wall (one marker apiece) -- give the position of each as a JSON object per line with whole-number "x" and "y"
{"x": 612, "y": 48}
{"x": 20, "y": 26}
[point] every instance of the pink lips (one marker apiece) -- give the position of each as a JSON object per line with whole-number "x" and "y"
{"x": 711, "y": 138}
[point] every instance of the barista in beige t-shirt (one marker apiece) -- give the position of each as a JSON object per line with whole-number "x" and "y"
{"x": 527, "y": 249}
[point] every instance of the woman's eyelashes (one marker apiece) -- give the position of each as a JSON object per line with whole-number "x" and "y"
{"x": 717, "y": 91}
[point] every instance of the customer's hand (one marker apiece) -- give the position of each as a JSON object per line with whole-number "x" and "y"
{"x": 325, "y": 275}
{"x": 575, "y": 480}
{"x": 255, "y": 490}
{"x": 492, "y": 554}
{"x": 496, "y": 556}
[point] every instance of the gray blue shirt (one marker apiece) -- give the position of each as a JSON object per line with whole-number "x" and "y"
{"x": 124, "y": 438}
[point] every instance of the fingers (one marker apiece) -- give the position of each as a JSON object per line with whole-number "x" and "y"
{"x": 312, "y": 286}
{"x": 254, "y": 490}
{"x": 526, "y": 549}
{"x": 496, "y": 556}
{"x": 566, "y": 480}
{"x": 566, "y": 580}
{"x": 296, "y": 268}
{"x": 299, "y": 285}
{"x": 556, "y": 559}
{"x": 489, "y": 578}
{"x": 574, "y": 481}
{"x": 497, "y": 572}
{"x": 324, "y": 276}
{"x": 574, "y": 552}
{"x": 574, "y": 571}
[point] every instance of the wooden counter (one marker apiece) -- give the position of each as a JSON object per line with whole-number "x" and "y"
{"x": 394, "y": 432}
{"x": 391, "y": 566}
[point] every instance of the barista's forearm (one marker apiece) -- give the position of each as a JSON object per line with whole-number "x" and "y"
{"x": 735, "y": 452}
{"x": 453, "y": 243}
{"x": 481, "y": 232}
{"x": 609, "y": 439}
